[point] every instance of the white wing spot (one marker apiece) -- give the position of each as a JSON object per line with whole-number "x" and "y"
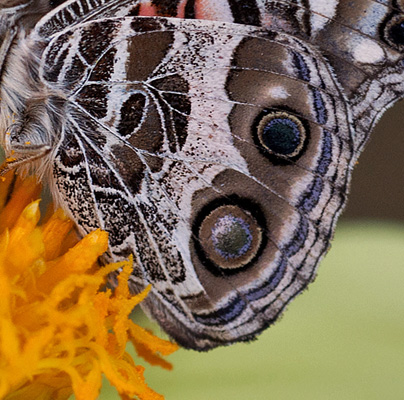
{"x": 323, "y": 12}
{"x": 367, "y": 51}
{"x": 278, "y": 92}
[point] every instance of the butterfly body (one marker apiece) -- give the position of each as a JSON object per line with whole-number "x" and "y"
{"x": 216, "y": 145}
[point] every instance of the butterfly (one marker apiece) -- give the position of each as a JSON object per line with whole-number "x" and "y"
{"x": 213, "y": 140}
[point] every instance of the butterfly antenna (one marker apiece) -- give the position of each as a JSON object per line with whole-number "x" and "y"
{"x": 13, "y": 161}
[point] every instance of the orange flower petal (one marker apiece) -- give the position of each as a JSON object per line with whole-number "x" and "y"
{"x": 58, "y": 332}
{"x": 24, "y": 192}
{"x": 55, "y": 231}
{"x": 78, "y": 259}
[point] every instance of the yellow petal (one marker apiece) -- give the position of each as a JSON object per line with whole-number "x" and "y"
{"x": 55, "y": 231}
{"x": 78, "y": 259}
{"x": 24, "y": 192}
{"x": 58, "y": 332}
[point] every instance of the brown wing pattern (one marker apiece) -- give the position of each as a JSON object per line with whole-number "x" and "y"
{"x": 213, "y": 140}
{"x": 181, "y": 163}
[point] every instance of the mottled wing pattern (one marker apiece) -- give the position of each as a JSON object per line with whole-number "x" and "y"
{"x": 367, "y": 57}
{"x": 363, "y": 40}
{"x": 164, "y": 146}
{"x": 218, "y": 150}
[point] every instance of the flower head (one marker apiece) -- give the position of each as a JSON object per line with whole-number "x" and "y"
{"x": 58, "y": 331}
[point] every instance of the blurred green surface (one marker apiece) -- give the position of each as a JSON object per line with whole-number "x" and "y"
{"x": 342, "y": 339}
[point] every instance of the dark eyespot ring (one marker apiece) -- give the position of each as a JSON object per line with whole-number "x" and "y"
{"x": 394, "y": 32}
{"x": 229, "y": 237}
{"x": 281, "y": 134}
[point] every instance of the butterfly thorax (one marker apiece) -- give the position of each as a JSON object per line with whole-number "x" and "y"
{"x": 31, "y": 114}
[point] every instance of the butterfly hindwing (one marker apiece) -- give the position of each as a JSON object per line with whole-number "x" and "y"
{"x": 171, "y": 144}
{"x": 217, "y": 149}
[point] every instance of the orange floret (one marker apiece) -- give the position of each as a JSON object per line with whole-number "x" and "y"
{"x": 59, "y": 333}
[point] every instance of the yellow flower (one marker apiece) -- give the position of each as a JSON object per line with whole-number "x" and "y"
{"x": 58, "y": 331}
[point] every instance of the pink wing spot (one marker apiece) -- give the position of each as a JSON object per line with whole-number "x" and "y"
{"x": 213, "y": 10}
{"x": 147, "y": 10}
{"x": 181, "y": 9}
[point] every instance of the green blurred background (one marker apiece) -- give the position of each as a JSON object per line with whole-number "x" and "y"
{"x": 344, "y": 337}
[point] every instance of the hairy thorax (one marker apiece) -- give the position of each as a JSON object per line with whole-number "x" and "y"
{"x": 31, "y": 114}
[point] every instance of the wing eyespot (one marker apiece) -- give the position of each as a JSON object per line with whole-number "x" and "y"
{"x": 393, "y": 32}
{"x": 280, "y": 134}
{"x": 229, "y": 237}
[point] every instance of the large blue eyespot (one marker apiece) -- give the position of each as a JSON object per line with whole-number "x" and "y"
{"x": 281, "y": 134}
{"x": 229, "y": 237}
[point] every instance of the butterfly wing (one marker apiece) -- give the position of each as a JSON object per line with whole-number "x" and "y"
{"x": 218, "y": 153}
{"x": 172, "y": 142}
{"x": 362, "y": 41}
{"x": 367, "y": 59}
